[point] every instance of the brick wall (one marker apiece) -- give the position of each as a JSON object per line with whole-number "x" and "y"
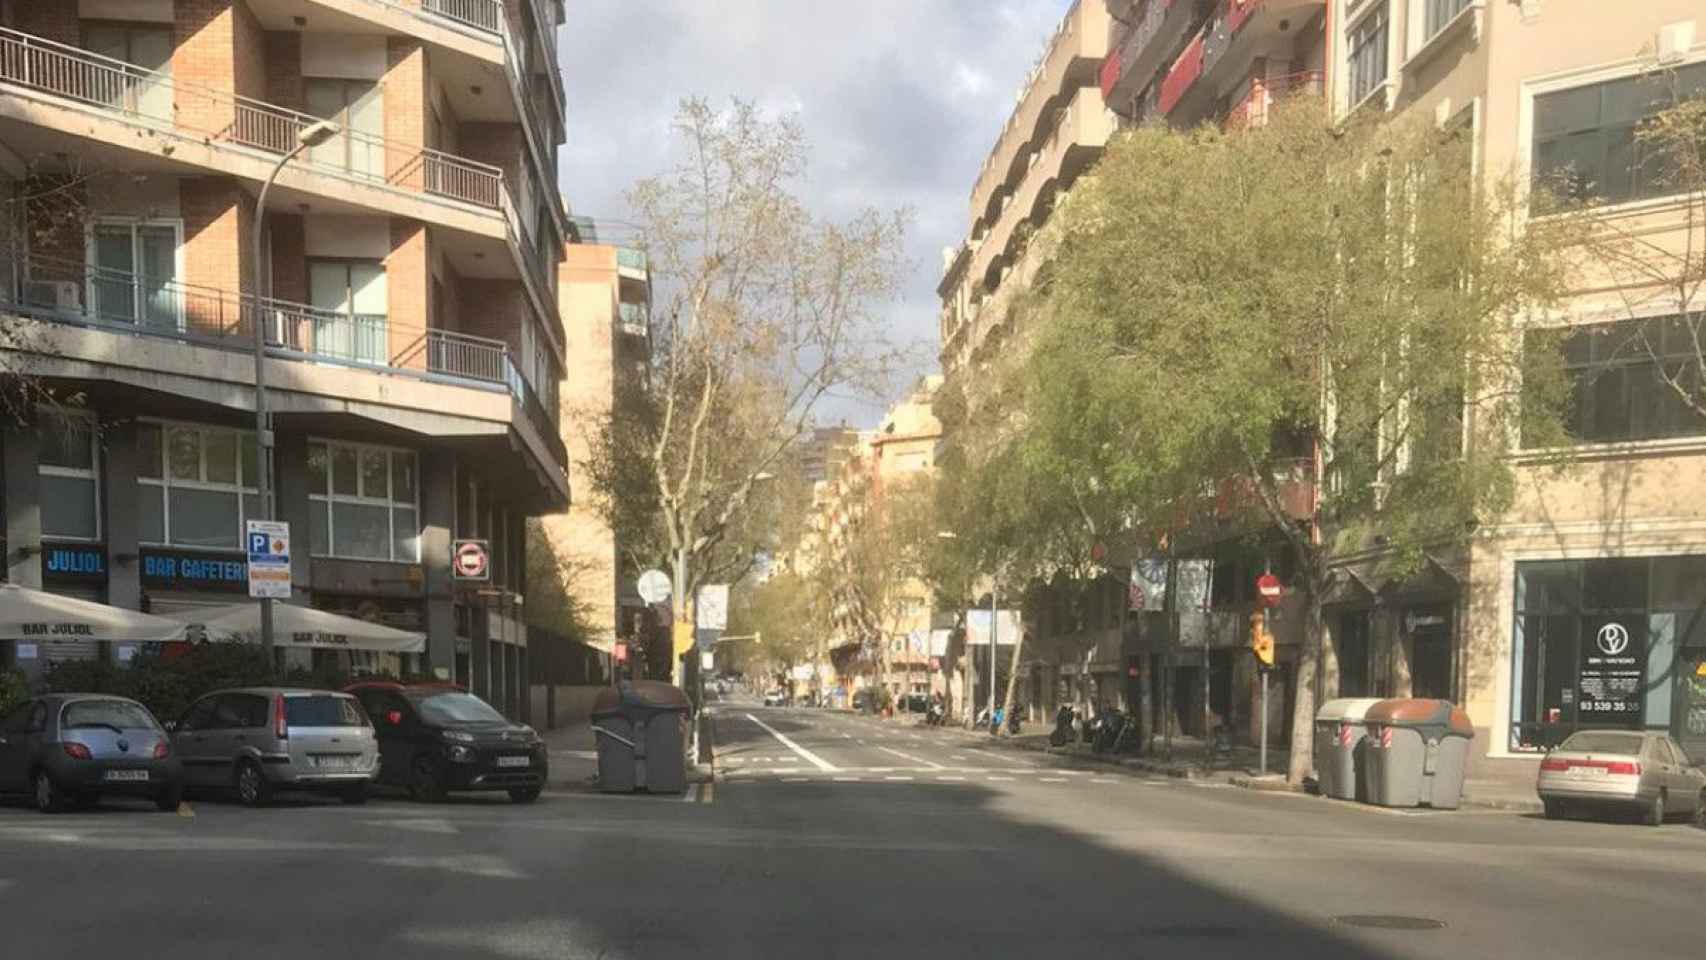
{"x": 499, "y": 144}
{"x": 249, "y": 57}
{"x": 289, "y": 256}
{"x": 496, "y": 309}
{"x": 284, "y": 71}
{"x": 204, "y": 45}
{"x": 408, "y": 272}
{"x": 52, "y": 19}
{"x": 217, "y": 218}
{"x": 405, "y": 91}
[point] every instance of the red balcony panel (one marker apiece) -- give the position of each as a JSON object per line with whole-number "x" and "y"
{"x": 1110, "y": 75}
{"x": 1185, "y": 72}
{"x": 1240, "y": 11}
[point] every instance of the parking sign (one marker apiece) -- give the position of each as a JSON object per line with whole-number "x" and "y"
{"x": 269, "y": 559}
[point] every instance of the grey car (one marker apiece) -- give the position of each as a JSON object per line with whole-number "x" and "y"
{"x": 69, "y": 749}
{"x": 1631, "y": 770}
{"x": 259, "y": 740}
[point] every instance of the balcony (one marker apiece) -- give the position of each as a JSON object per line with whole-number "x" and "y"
{"x": 631, "y": 263}
{"x": 1182, "y": 76}
{"x": 69, "y": 293}
{"x": 1243, "y": 32}
{"x": 1144, "y": 48}
{"x": 1254, "y": 102}
{"x": 1071, "y": 59}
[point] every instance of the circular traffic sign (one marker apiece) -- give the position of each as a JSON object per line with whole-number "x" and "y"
{"x": 654, "y": 586}
{"x": 1268, "y": 590}
{"x": 470, "y": 561}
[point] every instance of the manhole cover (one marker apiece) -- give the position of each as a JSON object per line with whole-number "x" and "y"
{"x": 1387, "y": 922}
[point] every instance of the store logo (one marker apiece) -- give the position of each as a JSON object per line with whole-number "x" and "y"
{"x": 1613, "y": 639}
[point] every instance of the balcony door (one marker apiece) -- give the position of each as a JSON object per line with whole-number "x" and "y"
{"x": 349, "y": 301}
{"x": 133, "y": 275}
{"x": 145, "y": 88}
{"x": 358, "y": 107}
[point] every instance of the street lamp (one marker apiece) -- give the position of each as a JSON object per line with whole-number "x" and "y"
{"x": 310, "y": 136}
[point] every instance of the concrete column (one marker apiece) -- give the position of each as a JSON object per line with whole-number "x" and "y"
{"x": 524, "y": 684}
{"x": 290, "y": 498}
{"x": 124, "y": 577}
{"x": 479, "y": 655}
{"x": 438, "y": 507}
{"x": 23, "y": 506}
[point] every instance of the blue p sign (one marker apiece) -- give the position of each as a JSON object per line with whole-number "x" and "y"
{"x": 258, "y": 543}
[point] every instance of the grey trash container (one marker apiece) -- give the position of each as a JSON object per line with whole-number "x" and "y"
{"x": 641, "y": 729}
{"x": 1416, "y": 753}
{"x": 1339, "y": 735}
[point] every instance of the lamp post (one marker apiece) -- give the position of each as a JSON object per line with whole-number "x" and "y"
{"x": 310, "y": 136}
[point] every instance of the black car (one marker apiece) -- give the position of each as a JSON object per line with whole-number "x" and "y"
{"x": 69, "y": 749}
{"x": 436, "y": 739}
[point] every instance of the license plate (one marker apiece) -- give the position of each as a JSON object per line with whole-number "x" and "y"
{"x": 333, "y": 761}
{"x": 124, "y": 776}
{"x": 1590, "y": 772}
{"x": 515, "y": 761}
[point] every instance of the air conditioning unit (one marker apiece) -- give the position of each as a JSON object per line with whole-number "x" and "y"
{"x": 58, "y": 294}
{"x": 1675, "y": 40}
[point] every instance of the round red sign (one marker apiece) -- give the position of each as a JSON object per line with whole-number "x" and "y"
{"x": 470, "y": 560}
{"x": 1268, "y": 590}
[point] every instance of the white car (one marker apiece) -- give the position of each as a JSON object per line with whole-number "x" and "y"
{"x": 775, "y": 698}
{"x": 1633, "y": 770}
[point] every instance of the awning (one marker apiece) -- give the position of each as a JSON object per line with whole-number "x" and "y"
{"x": 303, "y": 627}
{"x": 34, "y": 615}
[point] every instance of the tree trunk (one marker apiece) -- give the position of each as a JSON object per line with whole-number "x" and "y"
{"x": 1013, "y": 674}
{"x": 1308, "y": 665}
{"x": 681, "y": 610}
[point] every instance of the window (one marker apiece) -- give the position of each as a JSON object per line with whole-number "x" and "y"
{"x": 133, "y": 272}
{"x": 1620, "y": 392}
{"x": 453, "y": 708}
{"x": 359, "y": 109}
{"x": 240, "y": 710}
{"x": 350, "y": 303}
{"x": 1438, "y": 13}
{"x": 148, "y": 46}
{"x": 323, "y": 710}
{"x": 1584, "y": 138}
{"x": 1367, "y": 62}
{"x": 195, "y": 485}
{"x": 121, "y": 714}
{"x": 1604, "y": 742}
{"x": 68, "y": 464}
{"x": 199, "y": 716}
{"x": 364, "y": 502}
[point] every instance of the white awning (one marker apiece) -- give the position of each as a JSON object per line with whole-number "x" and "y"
{"x": 302, "y": 627}
{"x": 36, "y": 616}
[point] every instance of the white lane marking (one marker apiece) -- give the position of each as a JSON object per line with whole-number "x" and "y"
{"x": 1006, "y": 761}
{"x": 1053, "y": 780}
{"x": 908, "y": 756}
{"x": 1000, "y": 779}
{"x": 1103, "y": 780}
{"x": 796, "y": 779}
{"x": 891, "y": 777}
{"x": 805, "y": 754}
{"x": 956, "y": 756}
{"x": 692, "y": 794}
{"x": 846, "y": 779}
{"x": 952, "y": 779}
{"x": 861, "y": 743}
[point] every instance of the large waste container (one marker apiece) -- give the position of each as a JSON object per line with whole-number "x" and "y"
{"x": 641, "y": 729}
{"x": 1339, "y": 735}
{"x": 1416, "y": 752}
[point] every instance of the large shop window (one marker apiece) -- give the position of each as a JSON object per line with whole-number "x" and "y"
{"x": 364, "y": 502}
{"x": 1621, "y": 376}
{"x": 69, "y": 468}
{"x": 1584, "y": 138}
{"x": 1614, "y": 642}
{"x": 195, "y": 485}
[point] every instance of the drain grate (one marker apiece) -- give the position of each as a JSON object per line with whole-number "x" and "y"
{"x": 1389, "y": 922}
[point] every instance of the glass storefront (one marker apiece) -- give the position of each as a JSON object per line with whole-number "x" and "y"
{"x": 1615, "y": 642}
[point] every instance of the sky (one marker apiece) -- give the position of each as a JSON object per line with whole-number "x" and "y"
{"x": 901, "y": 101}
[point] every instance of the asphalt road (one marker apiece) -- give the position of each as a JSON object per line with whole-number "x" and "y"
{"x": 829, "y": 835}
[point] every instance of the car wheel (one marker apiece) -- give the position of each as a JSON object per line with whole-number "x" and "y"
{"x": 49, "y": 798}
{"x": 425, "y": 785}
{"x": 1656, "y": 811}
{"x": 1700, "y": 811}
{"x": 169, "y": 797}
{"x": 1554, "y": 809}
{"x": 354, "y": 795}
{"x": 524, "y": 794}
{"x": 253, "y": 790}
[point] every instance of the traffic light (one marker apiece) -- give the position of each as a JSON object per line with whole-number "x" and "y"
{"x": 1261, "y": 641}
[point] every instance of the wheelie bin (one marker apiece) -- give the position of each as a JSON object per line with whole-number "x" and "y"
{"x": 641, "y": 728}
{"x": 1339, "y": 735}
{"x": 1416, "y": 753}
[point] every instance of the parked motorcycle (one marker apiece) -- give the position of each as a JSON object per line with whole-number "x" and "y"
{"x": 1063, "y": 727}
{"x": 1014, "y": 719}
{"x": 936, "y": 715}
{"x": 1109, "y": 723}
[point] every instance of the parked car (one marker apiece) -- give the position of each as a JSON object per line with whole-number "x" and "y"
{"x": 1600, "y": 769}
{"x": 438, "y": 738}
{"x": 775, "y": 698}
{"x": 915, "y": 703}
{"x": 69, "y": 749}
{"x": 259, "y": 740}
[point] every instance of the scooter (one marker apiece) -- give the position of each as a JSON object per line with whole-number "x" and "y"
{"x": 1108, "y": 726}
{"x": 1013, "y": 720}
{"x": 1063, "y": 732}
{"x": 935, "y": 716}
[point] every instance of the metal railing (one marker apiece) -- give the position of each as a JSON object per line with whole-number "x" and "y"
{"x": 155, "y": 97}
{"x": 486, "y": 15}
{"x": 1257, "y": 96}
{"x": 631, "y": 318}
{"x": 631, "y": 259}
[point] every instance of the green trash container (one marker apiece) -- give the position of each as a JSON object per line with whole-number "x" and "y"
{"x": 1416, "y": 753}
{"x": 641, "y": 729}
{"x": 1339, "y": 735}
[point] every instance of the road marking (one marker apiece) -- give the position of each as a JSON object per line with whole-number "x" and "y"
{"x": 1000, "y": 779}
{"x": 805, "y": 754}
{"x": 862, "y": 743}
{"x": 796, "y": 779}
{"x": 1053, "y": 780}
{"x": 706, "y": 794}
{"x": 896, "y": 778}
{"x": 692, "y": 794}
{"x": 908, "y": 756}
{"x": 846, "y": 779}
{"x": 956, "y": 756}
{"x": 952, "y": 779}
{"x": 1103, "y": 780}
{"x": 1006, "y": 761}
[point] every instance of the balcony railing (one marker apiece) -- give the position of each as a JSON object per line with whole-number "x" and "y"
{"x": 630, "y": 259}
{"x": 1182, "y": 75}
{"x": 631, "y": 319}
{"x": 1258, "y": 95}
{"x": 486, "y": 15}
{"x": 157, "y": 99}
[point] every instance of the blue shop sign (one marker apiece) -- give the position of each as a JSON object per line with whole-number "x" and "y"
{"x": 74, "y": 561}
{"x": 194, "y": 570}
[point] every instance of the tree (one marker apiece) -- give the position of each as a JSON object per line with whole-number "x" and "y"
{"x": 890, "y": 542}
{"x": 766, "y": 310}
{"x": 782, "y": 611}
{"x": 1313, "y": 328}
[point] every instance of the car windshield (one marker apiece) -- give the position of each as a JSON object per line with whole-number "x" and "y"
{"x": 1602, "y": 741}
{"x": 116, "y": 714}
{"x": 323, "y": 710}
{"x": 455, "y": 707}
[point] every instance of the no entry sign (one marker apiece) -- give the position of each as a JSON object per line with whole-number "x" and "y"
{"x": 470, "y": 560}
{"x": 1268, "y": 590}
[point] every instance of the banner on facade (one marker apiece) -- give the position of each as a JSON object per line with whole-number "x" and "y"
{"x": 1007, "y": 627}
{"x": 1148, "y": 589}
{"x": 939, "y": 642}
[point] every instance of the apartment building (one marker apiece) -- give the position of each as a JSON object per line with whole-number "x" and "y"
{"x": 1058, "y": 128}
{"x": 1582, "y": 605}
{"x": 605, "y": 293}
{"x": 404, "y": 279}
{"x": 902, "y": 450}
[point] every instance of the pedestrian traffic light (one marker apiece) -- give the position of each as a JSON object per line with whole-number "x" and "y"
{"x": 1261, "y": 641}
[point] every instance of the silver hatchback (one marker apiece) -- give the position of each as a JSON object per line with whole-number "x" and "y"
{"x": 258, "y": 740}
{"x": 1645, "y": 772}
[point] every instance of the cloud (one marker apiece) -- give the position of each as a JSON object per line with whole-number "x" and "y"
{"x": 901, "y": 100}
